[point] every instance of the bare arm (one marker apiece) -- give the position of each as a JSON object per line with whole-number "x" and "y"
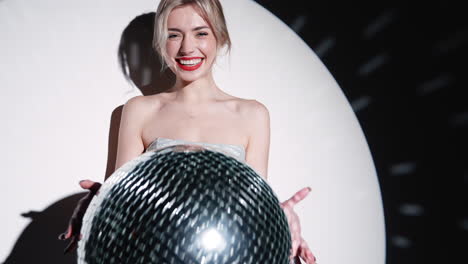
{"x": 130, "y": 144}
{"x": 257, "y": 157}
{"x": 258, "y": 146}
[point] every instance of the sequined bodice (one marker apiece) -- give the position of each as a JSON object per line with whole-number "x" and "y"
{"x": 236, "y": 151}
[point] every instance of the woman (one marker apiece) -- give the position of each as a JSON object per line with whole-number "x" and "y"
{"x": 188, "y": 36}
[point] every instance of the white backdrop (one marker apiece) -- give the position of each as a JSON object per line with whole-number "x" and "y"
{"x": 61, "y": 81}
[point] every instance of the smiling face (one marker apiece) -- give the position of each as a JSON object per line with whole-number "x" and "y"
{"x": 191, "y": 45}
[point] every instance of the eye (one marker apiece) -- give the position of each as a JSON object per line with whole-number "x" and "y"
{"x": 172, "y": 36}
{"x": 202, "y": 34}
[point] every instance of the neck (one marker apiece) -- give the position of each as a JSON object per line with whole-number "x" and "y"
{"x": 199, "y": 91}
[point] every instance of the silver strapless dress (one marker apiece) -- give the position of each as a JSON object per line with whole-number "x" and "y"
{"x": 235, "y": 151}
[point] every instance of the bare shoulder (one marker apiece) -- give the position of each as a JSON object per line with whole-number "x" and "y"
{"x": 254, "y": 110}
{"x": 142, "y": 101}
{"x": 141, "y": 105}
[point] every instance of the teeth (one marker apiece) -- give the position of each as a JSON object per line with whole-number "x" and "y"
{"x": 190, "y": 62}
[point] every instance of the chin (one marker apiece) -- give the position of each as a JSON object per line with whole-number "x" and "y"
{"x": 186, "y": 78}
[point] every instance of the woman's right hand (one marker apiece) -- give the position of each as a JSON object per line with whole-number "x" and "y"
{"x": 76, "y": 220}
{"x": 300, "y": 249}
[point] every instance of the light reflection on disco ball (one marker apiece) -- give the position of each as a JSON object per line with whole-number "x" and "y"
{"x": 185, "y": 204}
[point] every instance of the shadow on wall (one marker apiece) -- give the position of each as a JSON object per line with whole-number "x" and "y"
{"x": 38, "y": 243}
{"x": 141, "y": 67}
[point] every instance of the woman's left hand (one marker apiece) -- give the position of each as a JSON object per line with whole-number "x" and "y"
{"x": 300, "y": 249}
{"x": 76, "y": 220}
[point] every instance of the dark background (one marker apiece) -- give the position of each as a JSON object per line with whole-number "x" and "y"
{"x": 402, "y": 68}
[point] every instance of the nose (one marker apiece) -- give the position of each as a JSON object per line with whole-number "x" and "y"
{"x": 187, "y": 46}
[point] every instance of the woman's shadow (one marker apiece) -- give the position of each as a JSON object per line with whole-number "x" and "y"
{"x": 38, "y": 243}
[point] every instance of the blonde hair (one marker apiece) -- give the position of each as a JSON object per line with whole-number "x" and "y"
{"x": 210, "y": 10}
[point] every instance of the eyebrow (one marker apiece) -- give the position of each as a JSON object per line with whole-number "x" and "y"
{"x": 193, "y": 29}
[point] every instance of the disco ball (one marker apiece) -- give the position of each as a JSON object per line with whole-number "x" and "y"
{"x": 185, "y": 205}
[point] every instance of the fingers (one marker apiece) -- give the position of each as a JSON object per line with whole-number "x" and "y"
{"x": 73, "y": 244}
{"x": 90, "y": 185}
{"x": 67, "y": 234}
{"x": 295, "y": 246}
{"x": 297, "y": 197}
{"x": 75, "y": 222}
{"x": 295, "y": 241}
{"x": 86, "y": 184}
{"x": 297, "y": 260}
{"x": 308, "y": 257}
{"x": 95, "y": 187}
{"x": 305, "y": 253}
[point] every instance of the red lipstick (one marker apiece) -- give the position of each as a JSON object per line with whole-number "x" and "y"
{"x": 187, "y": 67}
